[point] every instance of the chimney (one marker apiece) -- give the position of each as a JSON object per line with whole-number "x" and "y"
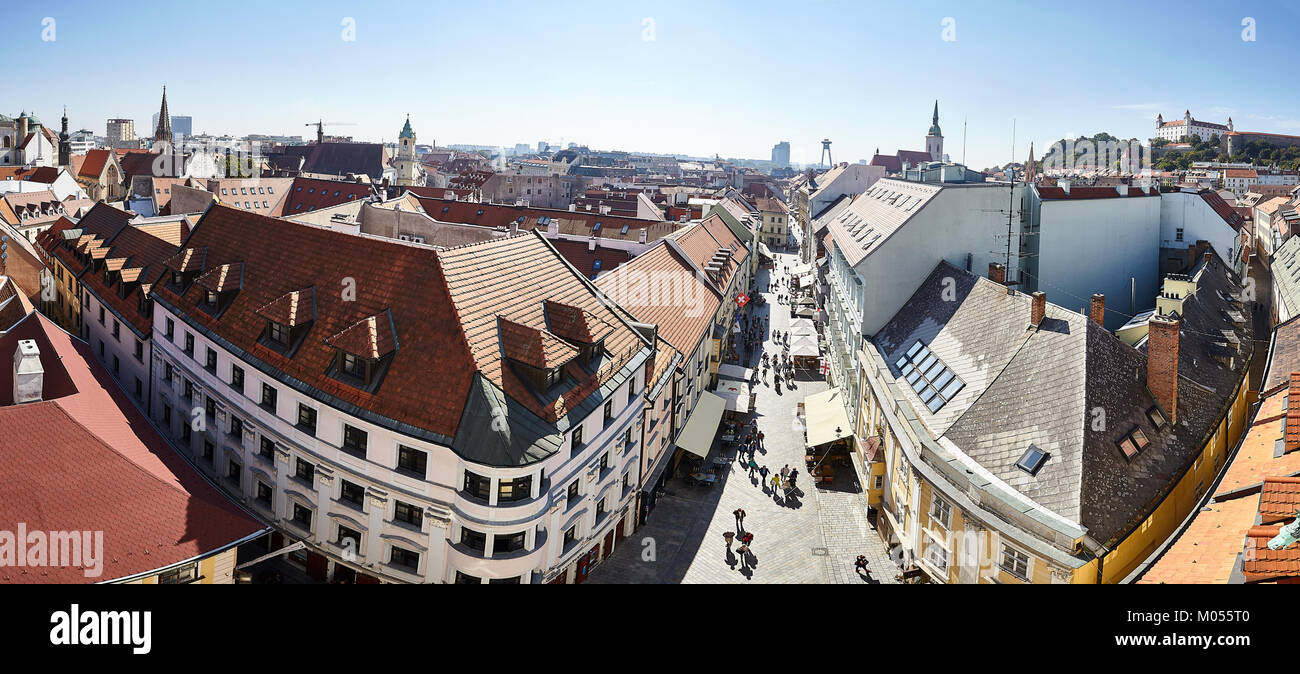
{"x": 573, "y": 208}
{"x": 1209, "y": 257}
{"x": 591, "y": 244}
{"x": 998, "y": 273}
{"x": 641, "y": 238}
{"x": 1097, "y": 309}
{"x": 1064, "y": 185}
{"x": 1122, "y": 188}
{"x": 1162, "y": 363}
{"x": 29, "y": 376}
{"x": 1037, "y": 308}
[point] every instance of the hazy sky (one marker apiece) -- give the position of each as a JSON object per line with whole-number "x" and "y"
{"x": 699, "y": 77}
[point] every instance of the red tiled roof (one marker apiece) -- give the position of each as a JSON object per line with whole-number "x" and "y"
{"x": 580, "y": 255}
{"x": 436, "y": 311}
{"x": 1240, "y": 173}
{"x": 222, "y": 278}
{"x": 292, "y": 308}
{"x": 1279, "y": 499}
{"x": 309, "y": 194}
{"x": 527, "y": 218}
{"x": 89, "y": 460}
{"x": 534, "y": 346}
{"x": 1262, "y": 564}
{"x": 371, "y": 337}
{"x": 1091, "y": 192}
{"x": 702, "y": 241}
{"x": 889, "y": 161}
{"x": 1228, "y": 213}
{"x": 682, "y": 322}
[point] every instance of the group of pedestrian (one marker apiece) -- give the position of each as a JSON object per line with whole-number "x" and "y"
{"x": 746, "y": 538}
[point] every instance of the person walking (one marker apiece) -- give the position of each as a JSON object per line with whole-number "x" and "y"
{"x": 776, "y": 483}
{"x": 794, "y": 473}
{"x": 740, "y": 519}
{"x": 728, "y": 536}
{"x": 860, "y": 565}
{"x": 762, "y": 472}
{"x": 760, "y": 439}
{"x": 785, "y": 470}
{"x": 752, "y": 466}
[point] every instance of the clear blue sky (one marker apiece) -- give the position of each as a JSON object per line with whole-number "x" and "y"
{"x": 731, "y": 78}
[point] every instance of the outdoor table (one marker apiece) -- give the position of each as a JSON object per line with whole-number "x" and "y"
{"x": 706, "y": 478}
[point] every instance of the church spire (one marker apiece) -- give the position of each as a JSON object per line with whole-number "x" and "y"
{"x": 163, "y": 132}
{"x": 1031, "y": 170}
{"x": 934, "y": 121}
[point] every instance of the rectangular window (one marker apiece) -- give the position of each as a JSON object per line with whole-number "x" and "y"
{"x": 411, "y": 514}
{"x": 346, "y": 533}
{"x": 473, "y": 539}
{"x": 208, "y": 449}
{"x": 186, "y": 573}
{"x": 267, "y": 448}
{"x": 233, "y": 472}
{"x": 573, "y": 492}
{"x": 189, "y": 345}
{"x": 1015, "y": 562}
{"x": 516, "y": 489}
{"x": 139, "y": 351}
{"x": 941, "y": 512}
{"x": 477, "y": 485}
{"x": 412, "y": 461}
{"x": 577, "y": 438}
{"x": 352, "y": 493}
{"x": 211, "y": 363}
{"x": 507, "y": 542}
{"x": 935, "y": 554}
{"x": 354, "y": 440}
{"x": 306, "y": 419}
{"x": 302, "y": 516}
{"x": 268, "y": 397}
{"x": 236, "y": 377}
{"x": 264, "y": 493}
{"x": 304, "y": 470}
{"x": 171, "y": 329}
{"x": 236, "y": 427}
{"x": 609, "y": 411}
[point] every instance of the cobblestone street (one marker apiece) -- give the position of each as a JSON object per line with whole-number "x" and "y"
{"x": 813, "y": 536}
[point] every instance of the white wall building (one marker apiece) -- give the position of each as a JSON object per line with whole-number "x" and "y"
{"x": 888, "y": 240}
{"x": 507, "y": 497}
{"x": 1188, "y": 216}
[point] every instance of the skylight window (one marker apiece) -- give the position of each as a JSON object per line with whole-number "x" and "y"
{"x": 1032, "y": 460}
{"x": 1133, "y": 442}
{"x": 928, "y": 376}
{"x": 1157, "y": 418}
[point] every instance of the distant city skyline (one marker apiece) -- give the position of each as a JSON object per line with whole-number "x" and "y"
{"x": 868, "y": 80}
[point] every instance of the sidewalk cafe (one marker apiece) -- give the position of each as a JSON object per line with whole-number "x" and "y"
{"x": 828, "y": 435}
{"x": 695, "y": 458}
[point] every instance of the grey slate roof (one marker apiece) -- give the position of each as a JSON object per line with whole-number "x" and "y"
{"x": 1069, "y": 387}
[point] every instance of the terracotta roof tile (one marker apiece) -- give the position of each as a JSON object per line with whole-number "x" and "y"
{"x": 371, "y": 337}
{"x": 91, "y": 461}
{"x": 1262, "y": 564}
{"x": 293, "y": 308}
{"x": 534, "y": 346}
{"x": 1279, "y": 499}
{"x": 222, "y": 278}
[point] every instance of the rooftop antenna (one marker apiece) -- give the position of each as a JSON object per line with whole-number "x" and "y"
{"x": 963, "y": 141}
{"x": 1011, "y": 192}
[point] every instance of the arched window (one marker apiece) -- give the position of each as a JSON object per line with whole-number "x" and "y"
{"x": 7, "y": 141}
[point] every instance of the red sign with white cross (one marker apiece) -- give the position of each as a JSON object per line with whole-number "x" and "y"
{"x": 742, "y": 299}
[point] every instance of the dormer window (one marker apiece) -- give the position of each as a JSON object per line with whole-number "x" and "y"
{"x": 276, "y": 332}
{"x": 353, "y": 366}
{"x": 210, "y": 298}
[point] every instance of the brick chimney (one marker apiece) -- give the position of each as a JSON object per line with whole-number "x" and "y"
{"x": 1037, "y": 308}
{"x": 1097, "y": 309}
{"x": 998, "y": 273}
{"x": 1209, "y": 257}
{"x": 1162, "y": 363}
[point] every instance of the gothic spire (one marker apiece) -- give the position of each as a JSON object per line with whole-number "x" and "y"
{"x": 164, "y": 130}
{"x": 934, "y": 122}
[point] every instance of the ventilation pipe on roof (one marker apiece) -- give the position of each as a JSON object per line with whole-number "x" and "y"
{"x": 29, "y": 375}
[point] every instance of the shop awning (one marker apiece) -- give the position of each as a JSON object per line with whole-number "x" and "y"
{"x": 802, "y": 326}
{"x": 827, "y": 421}
{"x": 736, "y": 394}
{"x": 804, "y": 346}
{"x": 801, "y": 269}
{"x": 702, "y": 427}
{"x": 805, "y": 281}
{"x": 728, "y": 371}
{"x": 764, "y": 250}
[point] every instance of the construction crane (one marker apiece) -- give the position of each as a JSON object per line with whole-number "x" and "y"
{"x": 320, "y": 128}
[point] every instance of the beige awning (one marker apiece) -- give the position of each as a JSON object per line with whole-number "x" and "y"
{"x": 702, "y": 426}
{"x": 736, "y": 393}
{"x": 764, "y": 250}
{"x": 826, "y": 418}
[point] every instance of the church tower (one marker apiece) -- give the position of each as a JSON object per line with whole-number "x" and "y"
{"x": 163, "y": 133}
{"x": 934, "y": 139}
{"x": 405, "y": 163}
{"x": 65, "y": 144}
{"x": 1031, "y": 169}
